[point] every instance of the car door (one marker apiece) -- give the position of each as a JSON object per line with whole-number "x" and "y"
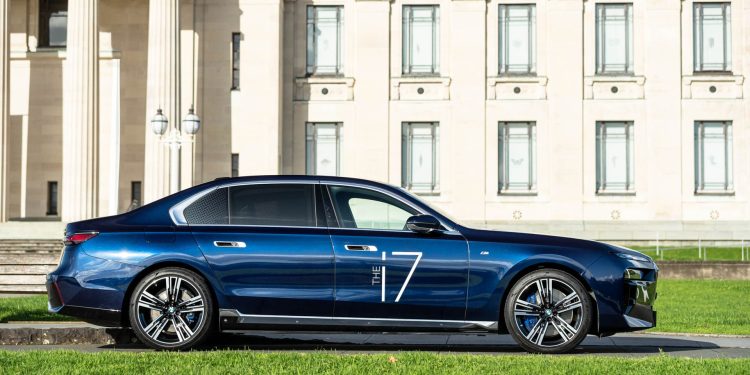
{"x": 268, "y": 247}
{"x": 384, "y": 270}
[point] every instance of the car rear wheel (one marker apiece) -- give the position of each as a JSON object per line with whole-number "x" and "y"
{"x": 548, "y": 311}
{"x": 172, "y": 309}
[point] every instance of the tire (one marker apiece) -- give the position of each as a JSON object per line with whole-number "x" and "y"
{"x": 165, "y": 320}
{"x": 542, "y": 326}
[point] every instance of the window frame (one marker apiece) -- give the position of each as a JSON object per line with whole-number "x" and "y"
{"x": 311, "y": 66}
{"x": 47, "y": 8}
{"x": 407, "y": 137}
{"x": 600, "y": 39}
{"x": 726, "y": 11}
{"x": 699, "y": 127}
{"x": 503, "y": 141}
{"x": 311, "y": 146}
{"x": 407, "y": 40}
{"x": 503, "y": 68}
{"x": 601, "y": 158}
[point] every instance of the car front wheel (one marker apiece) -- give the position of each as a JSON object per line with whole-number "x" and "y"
{"x": 171, "y": 309}
{"x": 548, "y": 311}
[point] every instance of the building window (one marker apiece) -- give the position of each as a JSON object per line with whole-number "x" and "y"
{"x": 235, "y": 165}
{"x": 325, "y": 39}
{"x": 614, "y": 38}
{"x": 323, "y": 142}
{"x": 713, "y": 157}
{"x": 236, "y": 37}
{"x": 517, "y": 39}
{"x": 419, "y": 156}
{"x": 421, "y": 39}
{"x": 516, "y": 157}
{"x": 53, "y": 23}
{"x": 712, "y": 37}
{"x": 52, "y": 198}
{"x": 136, "y": 195}
{"x": 615, "y": 172}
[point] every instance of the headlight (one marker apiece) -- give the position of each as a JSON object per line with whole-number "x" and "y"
{"x": 637, "y": 258}
{"x": 631, "y": 274}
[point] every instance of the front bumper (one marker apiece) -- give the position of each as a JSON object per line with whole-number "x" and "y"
{"x": 639, "y": 305}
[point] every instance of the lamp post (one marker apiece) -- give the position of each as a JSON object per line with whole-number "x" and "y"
{"x": 174, "y": 140}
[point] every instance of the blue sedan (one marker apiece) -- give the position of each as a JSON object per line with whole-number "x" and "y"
{"x": 330, "y": 253}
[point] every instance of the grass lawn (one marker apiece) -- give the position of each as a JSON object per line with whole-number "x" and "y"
{"x": 27, "y": 308}
{"x": 691, "y": 306}
{"x": 730, "y": 254}
{"x": 703, "y": 306}
{"x": 233, "y": 362}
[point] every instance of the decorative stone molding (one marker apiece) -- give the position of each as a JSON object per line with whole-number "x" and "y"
{"x": 614, "y": 87}
{"x": 712, "y": 86}
{"x": 323, "y": 88}
{"x": 420, "y": 88}
{"x": 517, "y": 88}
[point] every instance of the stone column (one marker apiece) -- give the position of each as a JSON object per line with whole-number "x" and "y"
{"x": 162, "y": 92}
{"x": 81, "y": 113}
{"x": 4, "y": 101}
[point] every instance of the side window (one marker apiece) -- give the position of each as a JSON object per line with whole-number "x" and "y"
{"x": 209, "y": 209}
{"x": 367, "y": 209}
{"x": 290, "y": 205}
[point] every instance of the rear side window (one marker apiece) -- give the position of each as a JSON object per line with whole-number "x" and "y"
{"x": 290, "y": 205}
{"x": 211, "y": 208}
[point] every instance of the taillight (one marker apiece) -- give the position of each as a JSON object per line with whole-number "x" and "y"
{"x": 77, "y": 238}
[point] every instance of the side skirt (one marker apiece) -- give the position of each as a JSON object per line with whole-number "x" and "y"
{"x": 234, "y": 320}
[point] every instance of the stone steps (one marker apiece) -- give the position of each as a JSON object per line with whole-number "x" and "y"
{"x": 24, "y": 264}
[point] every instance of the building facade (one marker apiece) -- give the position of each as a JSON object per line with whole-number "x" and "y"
{"x": 599, "y": 118}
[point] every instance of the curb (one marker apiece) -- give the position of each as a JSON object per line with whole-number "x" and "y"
{"x": 64, "y": 336}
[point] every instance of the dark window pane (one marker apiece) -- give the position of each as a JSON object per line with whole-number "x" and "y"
{"x": 277, "y": 205}
{"x": 52, "y": 198}
{"x": 235, "y": 165}
{"x": 135, "y": 192}
{"x": 235, "y": 61}
{"x": 212, "y": 208}
{"x": 53, "y": 23}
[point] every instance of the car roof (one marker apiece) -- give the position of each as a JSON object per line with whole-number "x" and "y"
{"x": 281, "y": 178}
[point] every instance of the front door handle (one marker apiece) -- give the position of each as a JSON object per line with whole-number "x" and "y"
{"x": 229, "y": 244}
{"x": 361, "y": 247}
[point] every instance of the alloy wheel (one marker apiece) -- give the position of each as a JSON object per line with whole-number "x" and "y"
{"x": 171, "y": 309}
{"x": 548, "y": 312}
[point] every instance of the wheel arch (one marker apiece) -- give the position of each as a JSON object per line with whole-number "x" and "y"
{"x": 125, "y": 318}
{"x": 514, "y": 275}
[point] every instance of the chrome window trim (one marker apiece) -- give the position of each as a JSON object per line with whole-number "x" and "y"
{"x": 335, "y": 320}
{"x": 178, "y": 217}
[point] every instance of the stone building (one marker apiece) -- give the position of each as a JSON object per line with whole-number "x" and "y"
{"x": 600, "y": 118}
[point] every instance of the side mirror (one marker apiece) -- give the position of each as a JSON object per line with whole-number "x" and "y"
{"x": 423, "y": 224}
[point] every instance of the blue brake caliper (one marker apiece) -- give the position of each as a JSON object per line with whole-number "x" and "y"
{"x": 530, "y": 321}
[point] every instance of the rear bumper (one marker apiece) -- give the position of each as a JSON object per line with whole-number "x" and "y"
{"x": 94, "y": 315}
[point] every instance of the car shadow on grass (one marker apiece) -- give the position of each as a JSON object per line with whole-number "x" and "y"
{"x": 457, "y": 343}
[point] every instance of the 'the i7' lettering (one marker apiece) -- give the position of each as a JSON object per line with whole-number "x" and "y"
{"x": 379, "y": 273}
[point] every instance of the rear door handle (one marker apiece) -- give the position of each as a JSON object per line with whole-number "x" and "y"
{"x": 229, "y": 244}
{"x": 361, "y": 247}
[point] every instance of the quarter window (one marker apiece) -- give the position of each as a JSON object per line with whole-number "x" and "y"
{"x": 324, "y": 39}
{"x": 367, "y": 209}
{"x": 322, "y": 148}
{"x": 713, "y": 156}
{"x": 517, "y": 157}
{"x": 712, "y": 37}
{"x": 517, "y": 39}
{"x": 291, "y": 205}
{"x": 614, "y": 38}
{"x": 420, "y": 39}
{"x": 614, "y": 157}
{"x": 419, "y": 156}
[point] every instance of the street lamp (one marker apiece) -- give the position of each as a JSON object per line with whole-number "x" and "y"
{"x": 174, "y": 140}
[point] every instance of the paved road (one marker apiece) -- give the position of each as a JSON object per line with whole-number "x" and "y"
{"x": 631, "y": 345}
